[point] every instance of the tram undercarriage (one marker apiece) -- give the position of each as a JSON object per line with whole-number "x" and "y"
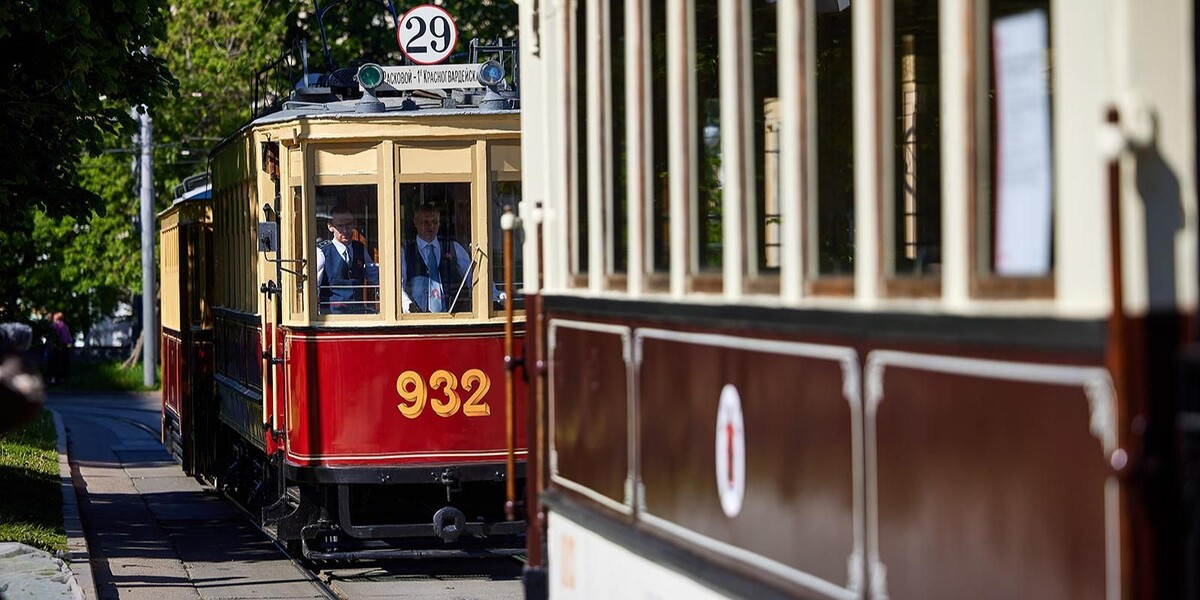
{"x": 422, "y": 511}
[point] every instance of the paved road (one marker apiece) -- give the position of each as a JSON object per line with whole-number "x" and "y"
{"x": 153, "y": 532}
{"x": 156, "y": 534}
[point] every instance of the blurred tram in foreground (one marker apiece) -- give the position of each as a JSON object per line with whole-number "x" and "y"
{"x": 333, "y": 319}
{"x": 849, "y": 299}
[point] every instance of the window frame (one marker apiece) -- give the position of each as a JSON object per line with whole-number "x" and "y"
{"x": 895, "y": 285}
{"x": 313, "y": 179}
{"x": 982, "y": 283}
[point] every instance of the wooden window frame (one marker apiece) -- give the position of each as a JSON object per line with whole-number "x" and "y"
{"x": 982, "y": 284}
{"x": 891, "y": 284}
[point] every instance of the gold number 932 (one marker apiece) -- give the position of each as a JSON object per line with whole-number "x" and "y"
{"x": 413, "y": 390}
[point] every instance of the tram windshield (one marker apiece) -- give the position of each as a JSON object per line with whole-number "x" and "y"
{"x": 438, "y": 260}
{"x": 347, "y": 273}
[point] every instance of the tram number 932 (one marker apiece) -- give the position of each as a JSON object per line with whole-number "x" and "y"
{"x": 413, "y": 389}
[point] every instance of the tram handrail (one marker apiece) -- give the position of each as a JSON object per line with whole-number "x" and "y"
{"x": 470, "y": 273}
{"x": 508, "y": 222}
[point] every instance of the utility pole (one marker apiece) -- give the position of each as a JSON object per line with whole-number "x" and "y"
{"x": 149, "y": 314}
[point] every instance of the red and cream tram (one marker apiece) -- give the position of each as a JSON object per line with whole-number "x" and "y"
{"x": 339, "y": 367}
{"x": 862, "y": 299}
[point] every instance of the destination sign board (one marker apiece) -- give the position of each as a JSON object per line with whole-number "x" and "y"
{"x": 443, "y": 77}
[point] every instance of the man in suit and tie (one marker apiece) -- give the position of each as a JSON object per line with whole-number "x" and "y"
{"x": 347, "y": 277}
{"x": 434, "y": 268}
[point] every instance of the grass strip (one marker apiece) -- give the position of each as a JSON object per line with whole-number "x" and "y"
{"x": 31, "y": 504}
{"x": 107, "y": 376}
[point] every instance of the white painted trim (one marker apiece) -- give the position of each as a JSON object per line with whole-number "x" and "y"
{"x": 637, "y": 140}
{"x": 792, "y": 48}
{"x": 597, "y": 124}
{"x": 734, "y": 16}
{"x": 866, "y": 217}
{"x": 681, "y": 133}
{"x": 805, "y": 349}
{"x": 956, "y": 132}
{"x": 624, "y": 508}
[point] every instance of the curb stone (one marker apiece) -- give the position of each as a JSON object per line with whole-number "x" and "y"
{"x": 78, "y": 558}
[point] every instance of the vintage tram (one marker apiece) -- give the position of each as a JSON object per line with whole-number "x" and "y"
{"x": 334, "y": 326}
{"x": 862, "y": 299}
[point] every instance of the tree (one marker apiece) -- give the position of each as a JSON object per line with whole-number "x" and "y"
{"x": 69, "y": 73}
{"x": 80, "y": 254}
{"x": 86, "y": 266}
{"x": 71, "y": 70}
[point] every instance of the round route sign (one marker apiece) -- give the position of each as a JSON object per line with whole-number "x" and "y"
{"x": 427, "y": 34}
{"x": 731, "y": 451}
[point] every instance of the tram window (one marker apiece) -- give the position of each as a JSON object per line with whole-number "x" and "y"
{"x": 764, "y": 221}
{"x": 1014, "y": 211}
{"x": 706, "y": 222}
{"x": 579, "y": 242}
{"x": 916, "y": 202}
{"x": 834, "y": 152}
{"x": 618, "y": 209}
{"x": 659, "y": 218}
{"x": 346, "y": 275}
{"x": 506, "y": 193}
{"x": 437, "y": 266}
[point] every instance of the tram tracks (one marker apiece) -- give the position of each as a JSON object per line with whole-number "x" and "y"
{"x": 492, "y": 577}
{"x": 353, "y": 580}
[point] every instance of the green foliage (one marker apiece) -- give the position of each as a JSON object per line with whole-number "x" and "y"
{"x": 363, "y": 31}
{"x": 213, "y": 48}
{"x": 70, "y": 72}
{"x": 81, "y": 267}
{"x": 75, "y": 70}
{"x": 29, "y": 463}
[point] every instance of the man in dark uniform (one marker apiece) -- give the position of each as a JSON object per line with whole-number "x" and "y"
{"x": 434, "y": 268}
{"x": 347, "y": 277}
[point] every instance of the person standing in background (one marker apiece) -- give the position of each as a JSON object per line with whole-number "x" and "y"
{"x": 60, "y": 350}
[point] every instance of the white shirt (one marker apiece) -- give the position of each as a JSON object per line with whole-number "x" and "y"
{"x": 370, "y": 271}
{"x": 420, "y": 285}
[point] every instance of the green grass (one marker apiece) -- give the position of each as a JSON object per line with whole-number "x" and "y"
{"x": 106, "y": 376}
{"x": 31, "y": 504}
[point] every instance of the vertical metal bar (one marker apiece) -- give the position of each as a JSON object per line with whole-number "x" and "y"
{"x": 150, "y": 331}
{"x": 1118, "y": 360}
{"x": 507, "y": 222}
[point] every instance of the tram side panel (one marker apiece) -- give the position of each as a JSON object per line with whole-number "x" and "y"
{"x": 362, "y": 399}
{"x": 823, "y": 466}
{"x": 990, "y": 477}
{"x": 735, "y": 445}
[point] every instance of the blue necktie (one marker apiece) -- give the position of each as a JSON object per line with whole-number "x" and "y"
{"x": 435, "y": 279}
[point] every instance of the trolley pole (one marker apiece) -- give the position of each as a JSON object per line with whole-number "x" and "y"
{"x": 149, "y": 315}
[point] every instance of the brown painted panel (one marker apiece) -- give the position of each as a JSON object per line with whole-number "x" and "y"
{"x": 590, "y": 409}
{"x": 798, "y": 505}
{"x": 988, "y": 489}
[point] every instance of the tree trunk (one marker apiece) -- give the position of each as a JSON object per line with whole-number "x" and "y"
{"x": 134, "y": 355}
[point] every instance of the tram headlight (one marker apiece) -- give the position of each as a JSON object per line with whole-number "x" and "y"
{"x": 370, "y": 76}
{"x": 490, "y": 74}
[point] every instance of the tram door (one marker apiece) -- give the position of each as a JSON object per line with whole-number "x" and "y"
{"x": 272, "y": 275}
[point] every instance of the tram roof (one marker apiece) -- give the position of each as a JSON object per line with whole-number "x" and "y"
{"x": 393, "y": 107}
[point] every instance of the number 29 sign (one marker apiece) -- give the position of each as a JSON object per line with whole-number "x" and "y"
{"x": 427, "y": 34}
